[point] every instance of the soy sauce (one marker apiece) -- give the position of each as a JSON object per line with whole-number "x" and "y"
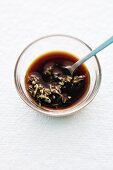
{"x": 48, "y": 85}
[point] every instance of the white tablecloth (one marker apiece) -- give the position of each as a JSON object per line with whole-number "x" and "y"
{"x": 31, "y": 140}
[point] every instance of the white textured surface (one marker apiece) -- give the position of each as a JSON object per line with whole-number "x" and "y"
{"x": 32, "y": 141}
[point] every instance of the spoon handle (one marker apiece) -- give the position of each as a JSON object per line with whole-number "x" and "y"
{"x": 92, "y": 53}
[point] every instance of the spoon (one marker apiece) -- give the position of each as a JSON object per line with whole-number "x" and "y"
{"x": 71, "y": 69}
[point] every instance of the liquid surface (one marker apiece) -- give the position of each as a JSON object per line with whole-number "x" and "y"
{"x": 48, "y": 85}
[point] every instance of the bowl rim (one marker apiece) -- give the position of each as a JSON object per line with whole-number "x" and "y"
{"x": 51, "y": 112}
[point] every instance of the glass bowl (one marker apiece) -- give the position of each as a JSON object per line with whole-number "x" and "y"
{"x": 53, "y": 43}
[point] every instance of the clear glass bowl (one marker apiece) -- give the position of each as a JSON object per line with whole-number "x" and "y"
{"x": 53, "y": 43}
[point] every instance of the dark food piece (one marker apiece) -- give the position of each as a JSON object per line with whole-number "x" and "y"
{"x": 48, "y": 85}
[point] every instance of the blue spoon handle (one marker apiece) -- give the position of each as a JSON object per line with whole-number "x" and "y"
{"x": 93, "y": 53}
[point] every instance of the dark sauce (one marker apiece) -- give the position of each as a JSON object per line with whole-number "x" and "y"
{"x": 48, "y": 85}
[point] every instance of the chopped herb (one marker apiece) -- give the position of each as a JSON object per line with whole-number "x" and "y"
{"x": 53, "y": 94}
